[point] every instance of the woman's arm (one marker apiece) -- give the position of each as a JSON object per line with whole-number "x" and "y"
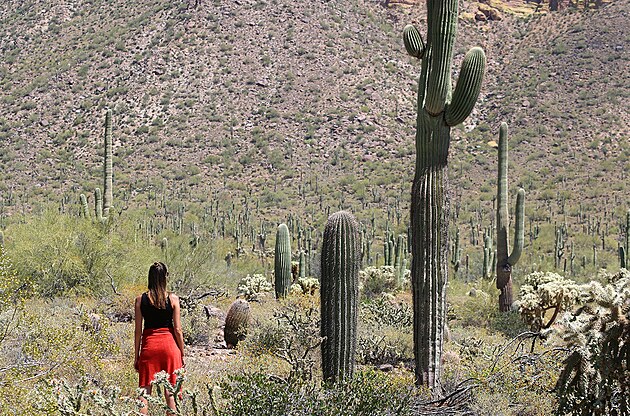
{"x": 138, "y": 332}
{"x": 177, "y": 325}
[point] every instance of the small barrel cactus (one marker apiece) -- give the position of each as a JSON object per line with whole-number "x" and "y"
{"x": 236, "y": 322}
{"x": 339, "y": 290}
{"x": 282, "y": 262}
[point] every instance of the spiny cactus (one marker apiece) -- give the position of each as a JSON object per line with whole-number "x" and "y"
{"x": 488, "y": 256}
{"x": 595, "y": 379}
{"x": 282, "y": 261}
{"x": 236, "y": 322}
{"x": 253, "y": 287}
{"x": 543, "y": 293}
{"x": 506, "y": 259}
{"x": 98, "y": 206}
{"x": 164, "y": 248}
{"x": 85, "y": 209}
{"x": 107, "y": 166}
{"x": 622, "y": 258}
{"x": 302, "y": 265}
{"x": 456, "y": 253}
{"x": 339, "y": 295}
{"x": 439, "y": 109}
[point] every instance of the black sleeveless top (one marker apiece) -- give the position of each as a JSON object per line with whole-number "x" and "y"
{"x": 154, "y": 317}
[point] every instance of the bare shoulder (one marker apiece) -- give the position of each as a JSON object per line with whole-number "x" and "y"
{"x": 139, "y": 298}
{"x": 174, "y": 298}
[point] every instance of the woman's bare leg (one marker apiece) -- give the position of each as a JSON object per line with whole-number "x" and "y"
{"x": 170, "y": 401}
{"x": 145, "y": 408}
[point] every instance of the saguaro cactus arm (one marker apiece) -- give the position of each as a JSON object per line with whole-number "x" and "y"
{"x": 413, "y": 41}
{"x": 468, "y": 87}
{"x": 519, "y": 228}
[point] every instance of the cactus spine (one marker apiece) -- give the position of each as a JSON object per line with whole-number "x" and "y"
{"x": 339, "y": 290}
{"x": 505, "y": 259}
{"x": 438, "y": 111}
{"x": 236, "y": 322}
{"x": 282, "y": 261}
{"x": 107, "y": 166}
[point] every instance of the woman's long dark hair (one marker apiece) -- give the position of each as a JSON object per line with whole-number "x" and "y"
{"x": 157, "y": 284}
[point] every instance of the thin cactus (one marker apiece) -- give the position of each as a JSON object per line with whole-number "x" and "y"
{"x": 506, "y": 259}
{"x": 339, "y": 295}
{"x": 98, "y": 206}
{"x": 399, "y": 259}
{"x": 439, "y": 109}
{"x": 282, "y": 261}
{"x": 164, "y": 248}
{"x": 85, "y": 209}
{"x": 108, "y": 166}
{"x": 456, "y": 254}
{"x": 488, "y": 259}
{"x": 302, "y": 265}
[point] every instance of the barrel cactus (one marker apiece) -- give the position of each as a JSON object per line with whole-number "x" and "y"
{"x": 439, "y": 109}
{"x": 282, "y": 262}
{"x": 236, "y": 322}
{"x": 340, "y": 260}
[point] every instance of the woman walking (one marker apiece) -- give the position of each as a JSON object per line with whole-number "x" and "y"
{"x": 160, "y": 346}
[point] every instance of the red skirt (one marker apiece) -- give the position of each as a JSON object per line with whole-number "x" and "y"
{"x": 158, "y": 352}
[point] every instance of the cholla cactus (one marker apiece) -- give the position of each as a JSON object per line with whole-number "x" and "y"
{"x": 304, "y": 286}
{"x": 383, "y": 279}
{"x": 544, "y": 291}
{"x": 596, "y": 375}
{"x": 252, "y": 287}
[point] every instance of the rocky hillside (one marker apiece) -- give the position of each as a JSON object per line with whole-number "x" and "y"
{"x": 271, "y": 98}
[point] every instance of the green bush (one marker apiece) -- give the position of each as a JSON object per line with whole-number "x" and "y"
{"x": 64, "y": 254}
{"x": 367, "y": 393}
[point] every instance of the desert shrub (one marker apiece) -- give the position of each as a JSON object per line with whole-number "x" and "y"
{"x": 293, "y": 336}
{"x": 385, "y": 332}
{"x": 596, "y": 375}
{"x": 253, "y": 287}
{"x": 513, "y": 378}
{"x": 197, "y": 326}
{"x": 386, "y": 347}
{"x": 367, "y": 393}
{"x": 386, "y": 312}
{"x": 376, "y": 280}
{"x": 64, "y": 254}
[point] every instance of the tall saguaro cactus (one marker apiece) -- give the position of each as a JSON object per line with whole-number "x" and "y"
{"x": 505, "y": 259}
{"x": 282, "y": 261}
{"x": 108, "y": 166}
{"x": 439, "y": 109}
{"x": 341, "y": 257}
